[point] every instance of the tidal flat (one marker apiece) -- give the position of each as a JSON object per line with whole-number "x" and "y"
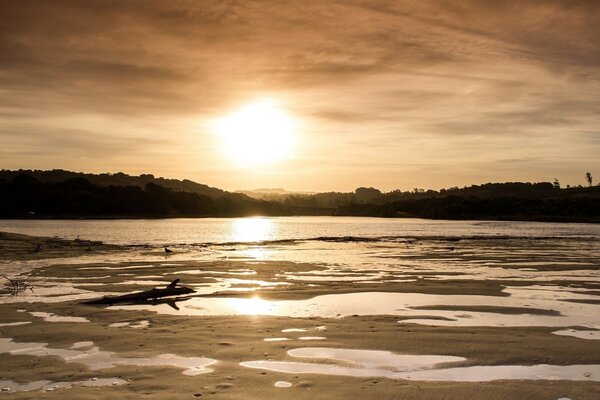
{"x": 429, "y": 318}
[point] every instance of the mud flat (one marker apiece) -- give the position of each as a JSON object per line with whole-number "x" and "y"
{"x": 250, "y": 329}
{"x": 14, "y": 246}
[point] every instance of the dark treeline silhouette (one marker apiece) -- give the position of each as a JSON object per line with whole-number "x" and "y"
{"x": 25, "y": 196}
{"x": 45, "y": 194}
{"x": 562, "y": 208}
{"x": 121, "y": 179}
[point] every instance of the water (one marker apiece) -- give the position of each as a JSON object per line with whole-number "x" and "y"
{"x": 95, "y": 359}
{"x": 258, "y": 229}
{"x": 374, "y": 363}
{"x": 539, "y": 308}
{"x": 9, "y": 386}
{"x": 458, "y": 274}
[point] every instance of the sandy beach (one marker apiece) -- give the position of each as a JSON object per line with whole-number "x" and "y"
{"x": 273, "y": 329}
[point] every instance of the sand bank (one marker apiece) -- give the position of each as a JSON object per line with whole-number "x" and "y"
{"x": 63, "y": 329}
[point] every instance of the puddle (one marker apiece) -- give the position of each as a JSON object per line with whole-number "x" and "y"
{"x": 15, "y": 323}
{"x": 581, "y": 334}
{"x": 376, "y": 363}
{"x": 50, "y": 317}
{"x": 134, "y": 325}
{"x": 9, "y": 386}
{"x": 375, "y": 358}
{"x": 275, "y": 339}
{"x": 290, "y": 330}
{"x": 331, "y": 277}
{"x": 229, "y": 272}
{"x": 312, "y": 338}
{"x": 283, "y": 384}
{"x": 237, "y": 281}
{"x": 116, "y": 267}
{"x": 547, "y": 307}
{"x": 141, "y": 282}
{"x": 82, "y": 345}
{"x": 94, "y": 358}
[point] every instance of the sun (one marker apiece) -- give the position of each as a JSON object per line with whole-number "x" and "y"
{"x": 258, "y": 133}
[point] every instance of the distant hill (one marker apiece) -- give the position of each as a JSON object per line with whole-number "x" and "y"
{"x": 121, "y": 179}
{"x": 541, "y": 201}
{"x": 65, "y": 194}
{"x": 275, "y": 194}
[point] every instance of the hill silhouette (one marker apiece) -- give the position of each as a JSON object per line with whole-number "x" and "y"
{"x": 65, "y": 194}
{"x": 43, "y": 194}
{"x": 121, "y": 179}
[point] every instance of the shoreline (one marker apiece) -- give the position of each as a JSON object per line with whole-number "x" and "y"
{"x": 549, "y": 220}
{"x": 16, "y": 246}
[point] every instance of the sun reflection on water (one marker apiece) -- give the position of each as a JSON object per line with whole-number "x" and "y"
{"x": 257, "y": 253}
{"x": 255, "y": 229}
{"x": 252, "y": 306}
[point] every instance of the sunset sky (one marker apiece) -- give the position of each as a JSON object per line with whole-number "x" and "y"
{"x": 390, "y": 94}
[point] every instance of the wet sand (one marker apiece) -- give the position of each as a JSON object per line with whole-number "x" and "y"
{"x": 14, "y": 246}
{"x": 61, "y": 285}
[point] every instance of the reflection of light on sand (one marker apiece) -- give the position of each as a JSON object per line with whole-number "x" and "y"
{"x": 252, "y": 229}
{"x": 372, "y": 363}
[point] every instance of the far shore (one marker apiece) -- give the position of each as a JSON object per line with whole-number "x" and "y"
{"x": 400, "y": 216}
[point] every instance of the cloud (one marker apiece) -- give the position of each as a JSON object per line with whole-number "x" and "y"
{"x": 379, "y": 72}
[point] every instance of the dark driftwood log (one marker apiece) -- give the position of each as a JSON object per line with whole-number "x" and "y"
{"x": 139, "y": 297}
{"x": 16, "y": 286}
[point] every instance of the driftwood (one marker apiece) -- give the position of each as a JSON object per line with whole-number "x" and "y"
{"x": 16, "y": 286}
{"x": 151, "y": 296}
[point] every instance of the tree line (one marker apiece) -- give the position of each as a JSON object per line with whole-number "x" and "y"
{"x": 25, "y": 196}
{"x": 42, "y": 194}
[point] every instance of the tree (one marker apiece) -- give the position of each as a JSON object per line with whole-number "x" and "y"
{"x": 556, "y": 184}
{"x": 364, "y": 194}
{"x": 589, "y": 178}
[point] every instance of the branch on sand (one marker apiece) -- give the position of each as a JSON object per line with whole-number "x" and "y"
{"x": 151, "y": 295}
{"x": 16, "y": 286}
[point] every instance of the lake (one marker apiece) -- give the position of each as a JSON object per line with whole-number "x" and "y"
{"x": 258, "y": 229}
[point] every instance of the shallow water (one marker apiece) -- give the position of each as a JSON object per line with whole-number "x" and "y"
{"x": 49, "y": 317}
{"x": 374, "y": 363}
{"x": 580, "y": 333}
{"x": 134, "y": 325}
{"x": 550, "y": 275}
{"x": 9, "y": 386}
{"x": 235, "y": 230}
{"x": 562, "y": 313}
{"x": 95, "y": 359}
